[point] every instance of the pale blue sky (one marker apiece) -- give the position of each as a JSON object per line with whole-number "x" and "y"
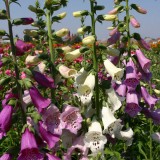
{"x": 150, "y": 23}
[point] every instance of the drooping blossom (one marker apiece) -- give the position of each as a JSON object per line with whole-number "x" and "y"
{"x": 6, "y": 156}
{"x": 112, "y": 126}
{"x": 139, "y": 9}
{"x": 29, "y": 148}
{"x": 144, "y": 62}
{"x": 114, "y": 38}
{"x": 94, "y": 139}
{"x": 132, "y": 105}
{"x": 142, "y": 43}
{"x": 5, "y": 120}
{"x": 77, "y": 144}
{"x": 150, "y": 100}
{"x": 115, "y": 72}
{"x": 131, "y": 76}
{"x": 51, "y": 157}
{"x": 38, "y": 100}
{"x": 48, "y": 137}
{"x": 40, "y": 67}
{"x": 156, "y": 136}
{"x": 71, "y": 118}
{"x": 134, "y": 22}
{"x": 32, "y": 60}
{"x": 43, "y": 80}
{"x": 51, "y": 118}
{"x": 71, "y": 56}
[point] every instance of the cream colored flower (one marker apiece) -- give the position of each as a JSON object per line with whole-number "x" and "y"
{"x": 32, "y": 60}
{"x": 62, "y": 32}
{"x": 71, "y": 56}
{"x": 88, "y": 40}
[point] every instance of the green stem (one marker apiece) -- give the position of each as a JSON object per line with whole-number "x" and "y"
{"x": 52, "y": 53}
{"x": 13, "y": 49}
{"x": 128, "y": 27}
{"x": 95, "y": 62}
{"x": 150, "y": 139}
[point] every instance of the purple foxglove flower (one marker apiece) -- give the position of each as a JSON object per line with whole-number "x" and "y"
{"x": 114, "y": 38}
{"x": 132, "y": 106}
{"x": 144, "y": 44}
{"x": 5, "y": 120}
{"x": 27, "y": 21}
{"x": 52, "y": 157}
{"x": 131, "y": 76}
{"x": 43, "y": 79}
{"x": 121, "y": 89}
{"x": 144, "y": 62}
{"x": 38, "y": 100}
{"x": 114, "y": 59}
{"x": 134, "y": 22}
{"x": 77, "y": 144}
{"x": 71, "y": 119}
{"x": 150, "y": 100}
{"x": 29, "y": 149}
{"x": 51, "y": 118}
{"x": 113, "y": 31}
{"x": 47, "y": 136}
{"x": 6, "y": 156}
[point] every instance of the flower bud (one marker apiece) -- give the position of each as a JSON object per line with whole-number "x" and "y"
{"x": 98, "y": 8}
{"x": 88, "y": 40}
{"x": 66, "y": 49}
{"x": 84, "y": 29}
{"x": 80, "y": 13}
{"x": 134, "y": 22}
{"x": 110, "y": 17}
{"x": 116, "y": 10}
{"x": 22, "y": 21}
{"x": 31, "y": 32}
{"x": 62, "y": 32}
{"x": 138, "y": 9}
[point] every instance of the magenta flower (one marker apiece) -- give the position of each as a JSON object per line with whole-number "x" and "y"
{"x": 114, "y": 59}
{"x": 144, "y": 62}
{"x": 29, "y": 149}
{"x": 77, "y": 144}
{"x": 150, "y": 100}
{"x": 51, "y": 118}
{"x": 43, "y": 79}
{"x": 47, "y": 136}
{"x": 52, "y": 157}
{"x": 131, "y": 76}
{"x": 6, "y": 156}
{"x": 71, "y": 119}
{"x": 134, "y": 22}
{"x": 132, "y": 106}
{"x": 121, "y": 89}
{"x": 38, "y": 100}
{"x": 114, "y": 38}
{"x": 27, "y": 21}
{"x": 113, "y": 31}
{"x": 144, "y": 44}
{"x": 5, "y": 120}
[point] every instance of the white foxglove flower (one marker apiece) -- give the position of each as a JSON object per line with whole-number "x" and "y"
{"x": 66, "y": 72}
{"x": 62, "y": 32}
{"x": 113, "y": 99}
{"x": 94, "y": 139}
{"x": 71, "y": 56}
{"x": 156, "y": 137}
{"x": 88, "y": 40}
{"x": 66, "y": 49}
{"x": 111, "y": 125}
{"x": 126, "y": 135}
{"x": 40, "y": 67}
{"x": 114, "y": 72}
{"x": 32, "y": 60}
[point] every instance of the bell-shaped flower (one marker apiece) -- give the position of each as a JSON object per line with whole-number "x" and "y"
{"x": 40, "y": 67}
{"x": 43, "y": 80}
{"x": 32, "y": 60}
{"x": 156, "y": 136}
{"x": 71, "y": 56}
{"x": 48, "y": 137}
{"x": 139, "y": 9}
{"x": 114, "y": 38}
{"x": 150, "y": 100}
{"x": 112, "y": 126}
{"x": 26, "y": 98}
{"x": 144, "y": 44}
{"x": 51, "y": 118}
{"x": 5, "y": 120}
{"x": 109, "y": 17}
{"x": 131, "y": 75}
{"x": 89, "y": 40}
{"x": 66, "y": 72}
{"x": 115, "y": 72}
{"x": 94, "y": 139}
{"x": 80, "y": 13}
{"x": 71, "y": 119}
{"x": 51, "y": 157}
{"x": 38, "y": 100}
{"x": 29, "y": 149}
{"x": 126, "y": 135}
{"x": 134, "y": 22}
{"x": 132, "y": 105}
{"x": 113, "y": 99}
{"x": 144, "y": 62}
{"x": 85, "y": 90}
{"x": 77, "y": 144}
{"x": 6, "y": 156}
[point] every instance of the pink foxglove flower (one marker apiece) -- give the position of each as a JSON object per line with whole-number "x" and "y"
{"x": 132, "y": 105}
{"x": 94, "y": 139}
{"x": 114, "y": 38}
{"x": 29, "y": 149}
{"x": 144, "y": 44}
{"x": 71, "y": 119}
{"x": 6, "y": 156}
{"x": 51, "y": 157}
{"x": 134, "y": 22}
{"x": 131, "y": 76}
{"x": 43, "y": 79}
{"x": 150, "y": 100}
{"x": 38, "y": 100}
{"x": 144, "y": 62}
{"x": 51, "y": 118}
{"x": 51, "y": 139}
{"x": 5, "y": 120}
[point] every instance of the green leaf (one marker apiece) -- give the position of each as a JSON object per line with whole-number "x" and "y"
{"x": 5, "y": 80}
{"x": 141, "y": 150}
